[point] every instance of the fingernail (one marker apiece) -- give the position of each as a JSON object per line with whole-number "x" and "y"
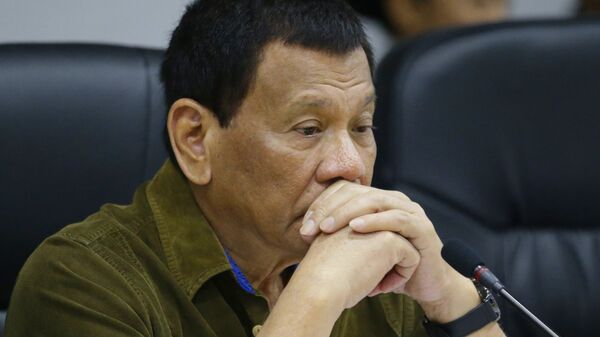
{"x": 308, "y": 228}
{"x": 307, "y": 216}
{"x": 357, "y": 223}
{"x": 327, "y": 224}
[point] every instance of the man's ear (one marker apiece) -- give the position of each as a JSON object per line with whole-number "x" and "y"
{"x": 190, "y": 126}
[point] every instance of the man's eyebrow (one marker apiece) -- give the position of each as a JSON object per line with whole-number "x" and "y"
{"x": 320, "y": 102}
{"x": 311, "y": 102}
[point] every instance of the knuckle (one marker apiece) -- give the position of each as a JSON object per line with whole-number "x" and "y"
{"x": 400, "y": 216}
{"x": 376, "y": 196}
{"x": 388, "y": 237}
{"x": 319, "y": 212}
{"x": 429, "y": 229}
{"x": 418, "y": 207}
{"x": 414, "y": 256}
{"x": 409, "y": 257}
{"x": 400, "y": 195}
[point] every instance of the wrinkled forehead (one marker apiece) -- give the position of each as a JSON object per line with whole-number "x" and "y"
{"x": 284, "y": 71}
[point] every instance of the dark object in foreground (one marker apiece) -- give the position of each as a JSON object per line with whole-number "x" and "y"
{"x": 466, "y": 261}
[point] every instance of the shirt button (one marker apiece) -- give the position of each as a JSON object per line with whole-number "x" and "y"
{"x": 256, "y": 330}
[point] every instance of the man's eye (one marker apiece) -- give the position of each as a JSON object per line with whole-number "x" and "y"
{"x": 365, "y": 128}
{"x": 309, "y": 131}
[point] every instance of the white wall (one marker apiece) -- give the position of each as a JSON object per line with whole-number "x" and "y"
{"x": 130, "y": 22}
{"x": 542, "y": 8}
{"x": 144, "y": 22}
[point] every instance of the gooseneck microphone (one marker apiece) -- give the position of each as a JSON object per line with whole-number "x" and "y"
{"x": 466, "y": 261}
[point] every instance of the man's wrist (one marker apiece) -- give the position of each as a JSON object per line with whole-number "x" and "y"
{"x": 461, "y": 297}
{"x": 318, "y": 312}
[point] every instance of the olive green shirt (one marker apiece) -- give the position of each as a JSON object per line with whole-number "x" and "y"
{"x": 156, "y": 268}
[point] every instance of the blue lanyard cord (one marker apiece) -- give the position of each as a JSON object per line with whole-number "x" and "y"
{"x": 239, "y": 276}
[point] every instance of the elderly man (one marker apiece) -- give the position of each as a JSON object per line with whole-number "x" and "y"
{"x": 263, "y": 221}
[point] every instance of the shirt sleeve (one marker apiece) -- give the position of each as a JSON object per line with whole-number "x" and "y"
{"x": 67, "y": 289}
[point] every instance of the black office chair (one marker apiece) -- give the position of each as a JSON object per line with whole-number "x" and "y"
{"x": 80, "y": 126}
{"x": 495, "y": 130}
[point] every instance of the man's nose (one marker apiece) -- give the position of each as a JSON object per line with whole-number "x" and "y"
{"x": 341, "y": 160}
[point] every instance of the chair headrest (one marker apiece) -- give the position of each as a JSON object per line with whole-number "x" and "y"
{"x": 80, "y": 125}
{"x": 500, "y": 120}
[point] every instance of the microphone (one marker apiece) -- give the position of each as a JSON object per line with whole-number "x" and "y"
{"x": 466, "y": 261}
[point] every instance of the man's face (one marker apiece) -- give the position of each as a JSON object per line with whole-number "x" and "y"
{"x": 305, "y": 124}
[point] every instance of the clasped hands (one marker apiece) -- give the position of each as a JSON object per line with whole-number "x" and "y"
{"x": 366, "y": 241}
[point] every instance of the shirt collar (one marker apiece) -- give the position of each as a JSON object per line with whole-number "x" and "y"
{"x": 190, "y": 245}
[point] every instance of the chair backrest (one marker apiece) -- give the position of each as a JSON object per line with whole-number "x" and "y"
{"x": 80, "y": 126}
{"x": 495, "y": 130}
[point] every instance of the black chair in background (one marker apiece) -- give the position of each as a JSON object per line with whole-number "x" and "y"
{"x": 495, "y": 131}
{"x": 80, "y": 126}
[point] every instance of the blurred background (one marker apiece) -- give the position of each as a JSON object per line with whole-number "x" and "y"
{"x": 148, "y": 23}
